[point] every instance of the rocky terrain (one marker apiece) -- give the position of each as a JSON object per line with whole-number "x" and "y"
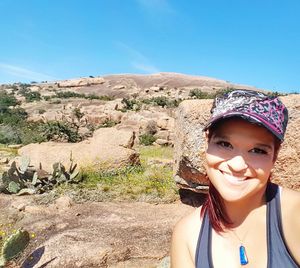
{"x": 99, "y": 100}
{"x": 111, "y": 114}
{"x": 92, "y": 234}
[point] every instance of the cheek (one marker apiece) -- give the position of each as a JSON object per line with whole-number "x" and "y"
{"x": 261, "y": 164}
{"x": 212, "y": 159}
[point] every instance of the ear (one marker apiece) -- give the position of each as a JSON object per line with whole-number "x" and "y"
{"x": 206, "y": 135}
{"x": 206, "y": 140}
{"x": 276, "y": 154}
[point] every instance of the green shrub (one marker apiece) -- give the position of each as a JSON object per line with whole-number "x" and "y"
{"x": 7, "y": 100}
{"x": 13, "y": 116}
{"x": 147, "y": 139}
{"x": 199, "y": 94}
{"x": 77, "y": 113}
{"x": 28, "y": 132}
{"x": 108, "y": 123}
{"x": 95, "y": 97}
{"x": 162, "y": 101}
{"x": 31, "y": 132}
{"x": 224, "y": 91}
{"x": 71, "y": 94}
{"x": 32, "y": 96}
{"x": 275, "y": 94}
{"x": 131, "y": 104}
{"x": 68, "y": 94}
{"x": 56, "y": 102}
{"x": 9, "y": 135}
{"x": 55, "y": 130}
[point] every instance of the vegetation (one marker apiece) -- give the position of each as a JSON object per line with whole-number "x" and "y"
{"x": 131, "y": 104}
{"x": 14, "y": 129}
{"x": 275, "y": 94}
{"x": 77, "y": 113}
{"x": 147, "y": 139}
{"x": 7, "y": 100}
{"x": 32, "y": 96}
{"x": 12, "y": 243}
{"x": 71, "y": 94}
{"x": 24, "y": 179}
{"x": 61, "y": 131}
{"x": 136, "y": 105}
{"x": 199, "y": 94}
{"x": 13, "y": 126}
{"x": 145, "y": 182}
{"x": 108, "y": 123}
{"x": 41, "y": 111}
{"x": 162, "y": 101}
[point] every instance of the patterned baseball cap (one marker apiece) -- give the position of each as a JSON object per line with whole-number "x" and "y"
{"x": 253, "y": 106}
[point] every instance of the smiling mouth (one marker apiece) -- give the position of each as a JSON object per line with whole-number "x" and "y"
{"x": 233, "y": 179}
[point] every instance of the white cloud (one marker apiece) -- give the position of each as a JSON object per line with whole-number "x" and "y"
{"x": 137, "y": 59}
{"x": 23, "y": 73}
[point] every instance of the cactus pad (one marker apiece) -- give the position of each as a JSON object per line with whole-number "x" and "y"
{"x": 14, "y": 245}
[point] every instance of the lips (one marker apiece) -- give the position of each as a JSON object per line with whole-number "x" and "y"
{"x": 234, "y": 179}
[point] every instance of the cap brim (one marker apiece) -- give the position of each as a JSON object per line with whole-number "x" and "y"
{"x": 245, "y": 116}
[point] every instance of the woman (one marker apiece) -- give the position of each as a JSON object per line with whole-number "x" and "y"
{"x": 246, "y": 221}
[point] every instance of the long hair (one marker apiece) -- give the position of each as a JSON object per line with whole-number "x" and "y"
{"x": 216, "y": 210}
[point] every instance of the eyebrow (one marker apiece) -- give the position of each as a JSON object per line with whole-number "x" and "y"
{"x": 269, "y": 147}
{"x": 220, "y": 136}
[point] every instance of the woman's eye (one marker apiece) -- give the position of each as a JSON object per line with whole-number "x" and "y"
{"x": 258, "y": 151}
{"x": 224, "y": 144}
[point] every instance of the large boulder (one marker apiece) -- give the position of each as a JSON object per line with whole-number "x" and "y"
{"x": 287, "y": 169}
{"x": 108, "y": 148}
{"x": 189, "y": 171}
{"x": 81, "y": 82}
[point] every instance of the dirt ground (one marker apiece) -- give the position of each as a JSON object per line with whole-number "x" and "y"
{"x": 92, "y": 234}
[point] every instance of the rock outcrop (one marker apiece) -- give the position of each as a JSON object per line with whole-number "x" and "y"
{"x": 108, "y": 148}
{"x": 93, "y": 234}
{"x": 81, "y": 82}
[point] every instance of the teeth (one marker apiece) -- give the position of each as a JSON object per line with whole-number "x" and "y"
{"x": 233, "y": 179}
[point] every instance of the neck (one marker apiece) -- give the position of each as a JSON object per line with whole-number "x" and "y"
{"x": 239, "y": 211}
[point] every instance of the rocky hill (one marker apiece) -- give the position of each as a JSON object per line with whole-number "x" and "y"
{"x": 110, "y": 100}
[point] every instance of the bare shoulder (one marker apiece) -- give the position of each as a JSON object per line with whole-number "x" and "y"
{"x": 290, "y": 207}
{"x": 184, "y": 240}
{"x": 188, "y": 221}
{"x": 290, "y": 200}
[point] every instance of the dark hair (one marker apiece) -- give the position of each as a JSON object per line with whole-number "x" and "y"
{"x": 214, "y": 204}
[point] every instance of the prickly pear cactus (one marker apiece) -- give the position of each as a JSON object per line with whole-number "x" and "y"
{"x": 24, "y": 164}
{"x": 24, "y": 179}
{"x": 14, "y": 187}
{"x": 13, "y": 246}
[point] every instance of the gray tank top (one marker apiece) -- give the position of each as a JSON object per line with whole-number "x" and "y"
{"x": 278, "y": 253}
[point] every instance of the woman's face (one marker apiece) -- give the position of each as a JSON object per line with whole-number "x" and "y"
{"x": 240, "y": 156}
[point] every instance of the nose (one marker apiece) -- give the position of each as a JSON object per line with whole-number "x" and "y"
{"x": 237, "y": 163}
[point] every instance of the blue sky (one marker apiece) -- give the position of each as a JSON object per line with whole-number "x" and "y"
{"x": 253, "y": 42}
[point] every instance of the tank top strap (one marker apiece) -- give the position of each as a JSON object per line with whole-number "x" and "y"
{"x": 203, "y": 258}
{"x": 278, "y": 253}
